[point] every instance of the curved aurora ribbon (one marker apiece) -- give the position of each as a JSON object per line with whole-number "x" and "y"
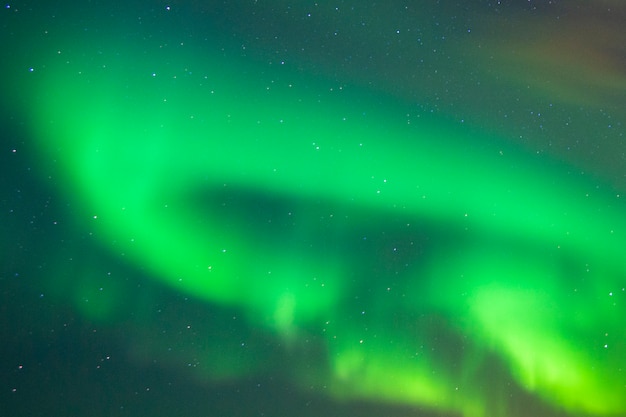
{"x": 169, "y": 162}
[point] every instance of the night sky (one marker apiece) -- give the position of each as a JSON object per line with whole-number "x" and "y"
{"x": 298, "y": 208}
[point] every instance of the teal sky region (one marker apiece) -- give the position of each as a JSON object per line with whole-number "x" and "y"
{"x": 338, "y": 208}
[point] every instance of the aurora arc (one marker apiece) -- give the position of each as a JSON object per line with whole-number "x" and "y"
{"x": 154, "y": 150}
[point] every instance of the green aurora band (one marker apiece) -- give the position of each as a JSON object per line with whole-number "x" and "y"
{"x": 253, "y": 189}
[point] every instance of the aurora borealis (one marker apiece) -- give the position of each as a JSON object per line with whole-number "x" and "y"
{"x": 296, "y": 208}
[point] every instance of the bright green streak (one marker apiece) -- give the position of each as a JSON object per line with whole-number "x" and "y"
{"x": 150, "y": 156}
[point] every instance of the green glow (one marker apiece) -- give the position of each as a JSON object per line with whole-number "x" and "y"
{"x": 520, "y": 316}
{"x": 161, "y": 159}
